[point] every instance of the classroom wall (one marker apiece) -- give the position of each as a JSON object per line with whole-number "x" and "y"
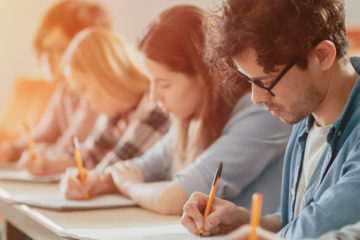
{"x": 19, "y": 20}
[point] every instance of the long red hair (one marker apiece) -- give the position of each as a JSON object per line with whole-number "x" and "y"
{"x": 177, "y": 39}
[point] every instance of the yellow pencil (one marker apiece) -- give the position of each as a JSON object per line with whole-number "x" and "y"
{"x": 31, "y": 143}
{"x": 255, "y": 214}
{"x": 79, "y": 163}
{"x": 212, "y": 194}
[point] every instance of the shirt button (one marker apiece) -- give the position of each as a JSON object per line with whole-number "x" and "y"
{"x": 339, "y": 133}
{"x": 293, "y": 191}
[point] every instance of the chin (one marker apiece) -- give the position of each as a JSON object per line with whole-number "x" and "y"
{"x": 179, "y": 117}
{"x": 182, "y": 117}
{"x": 291, "y": 120}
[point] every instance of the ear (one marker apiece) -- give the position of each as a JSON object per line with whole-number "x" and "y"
{"x": 325, "y": 53}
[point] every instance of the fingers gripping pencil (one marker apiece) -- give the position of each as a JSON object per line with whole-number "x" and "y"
{"x": 79, "y": 164}
{"x": 212, "y": 194}
{"x": 31, "y": 143}
{"x": 255, "y": 214}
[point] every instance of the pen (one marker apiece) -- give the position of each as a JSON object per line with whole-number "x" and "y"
{"x": 31, "y": 142}
{"x": 79, "y": 163}
{"x": 255, "y": 214}
{"x": 212, "y": 194}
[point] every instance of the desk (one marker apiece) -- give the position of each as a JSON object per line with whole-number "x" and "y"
{"x": 42, "y": 224}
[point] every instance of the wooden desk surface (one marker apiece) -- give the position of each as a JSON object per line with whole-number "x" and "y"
{"x": 48, "y": 224}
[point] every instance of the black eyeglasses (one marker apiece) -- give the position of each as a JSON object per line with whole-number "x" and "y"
{"x": 277, "y": 79}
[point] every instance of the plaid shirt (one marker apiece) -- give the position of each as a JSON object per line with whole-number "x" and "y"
{"x": 127, "y": 137}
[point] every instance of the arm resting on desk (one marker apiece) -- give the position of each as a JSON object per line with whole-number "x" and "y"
{"x": 165, "y": 197}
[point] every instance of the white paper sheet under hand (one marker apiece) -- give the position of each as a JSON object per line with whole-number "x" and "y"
{"x": 165, "y": 232}
{"x": 59, "y": 203}
{"x": 25, "y": 176}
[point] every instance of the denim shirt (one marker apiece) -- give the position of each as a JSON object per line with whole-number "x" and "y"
{"x": 332, "y": 196}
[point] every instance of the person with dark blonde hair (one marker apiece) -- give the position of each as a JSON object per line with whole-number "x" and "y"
{"x": 66, "y": 115}
{"x": 211, "y": 124}
{"x": 294, "y": 53}
{"x": 60, "y": 24}
{"x": 103, "y": 69}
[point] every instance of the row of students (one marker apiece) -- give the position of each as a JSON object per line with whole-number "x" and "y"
{"x": 67, "y": 115}
{"x": 210, "y": 123}
{"x": 301, "y": 43}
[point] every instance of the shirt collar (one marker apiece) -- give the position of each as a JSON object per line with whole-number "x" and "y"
{"x": 351, "y": 106}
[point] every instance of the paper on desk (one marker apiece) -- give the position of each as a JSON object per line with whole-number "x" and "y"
{"x": 25, "y": 176}
{"x": 58, "y": 203}
{"x": 165, "y": 232}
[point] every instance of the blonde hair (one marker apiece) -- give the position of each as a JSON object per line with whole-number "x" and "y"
{"x": 111, "y": 61}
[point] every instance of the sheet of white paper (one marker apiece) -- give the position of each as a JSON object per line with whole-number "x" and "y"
{"x": 59, "y": 203}
{"x": 23, "y": 175}
{"x": 165, "y": 232}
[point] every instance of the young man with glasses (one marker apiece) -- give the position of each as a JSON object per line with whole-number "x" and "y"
{"x": 294, "y": 54}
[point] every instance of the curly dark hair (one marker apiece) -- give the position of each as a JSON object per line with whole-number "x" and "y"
{"x": 280, "y": 30}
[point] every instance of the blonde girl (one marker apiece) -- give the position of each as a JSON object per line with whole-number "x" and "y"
{"x": 103, "y": 70}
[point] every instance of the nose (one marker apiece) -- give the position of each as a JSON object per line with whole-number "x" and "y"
{"x": 259, "y": 95}
{"x": 54, "y": 64}
{"x": 155, "y": 94}
{"x": 46, "y": 67}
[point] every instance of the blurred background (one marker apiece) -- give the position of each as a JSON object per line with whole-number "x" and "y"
{"x": 20, "y": 19}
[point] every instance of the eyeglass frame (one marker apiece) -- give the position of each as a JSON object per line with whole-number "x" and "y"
{"x": 277, "y": 79}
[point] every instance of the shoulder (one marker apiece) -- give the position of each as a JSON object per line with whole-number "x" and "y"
{"x": 149, "y": 113}
{"x": 247, "y": 116}
{"x": 69, "y": 96}
{"x": 147, "y": 107}
{"x": 149, "y": 116}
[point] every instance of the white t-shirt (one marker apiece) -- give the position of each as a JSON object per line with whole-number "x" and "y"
{"x": 315, "y": 144}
